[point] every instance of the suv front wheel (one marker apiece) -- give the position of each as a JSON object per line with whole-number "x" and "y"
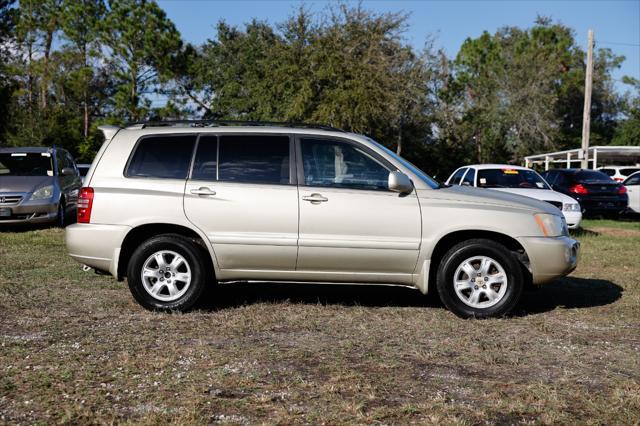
{"x": 167, "y": 273}
{"x": 479, "y": 279}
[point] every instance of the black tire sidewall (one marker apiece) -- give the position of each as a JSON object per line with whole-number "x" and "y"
{"x": 184, "y": 248}
{"x": 454, "y": 257}
{"x": 61, "y": 216}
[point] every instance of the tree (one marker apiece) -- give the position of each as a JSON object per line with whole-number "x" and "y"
{"x": 7, "y": 26}
{"x": 142, "y": 44}
{"x": 83, "y": 38}
{"x": 628, "y": 129}
{"x": 524, "y": 91}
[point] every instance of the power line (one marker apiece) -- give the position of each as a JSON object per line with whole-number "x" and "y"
{"x": 617, "y": 43}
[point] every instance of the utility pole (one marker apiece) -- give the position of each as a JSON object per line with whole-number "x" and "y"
{"x": 586, "y": 117}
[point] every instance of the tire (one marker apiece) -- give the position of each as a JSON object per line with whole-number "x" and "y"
{"x": 173, "y": 286}
{"x": 492, "y": 289}
{"x": 61, "y": 217}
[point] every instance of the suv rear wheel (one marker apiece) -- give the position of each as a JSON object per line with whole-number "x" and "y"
{"x": 167, "y": 273}
{"x": 479, "y": 279}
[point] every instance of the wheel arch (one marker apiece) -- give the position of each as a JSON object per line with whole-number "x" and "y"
{"x": 142, "y": 233}
{"x": 449, "y": 240}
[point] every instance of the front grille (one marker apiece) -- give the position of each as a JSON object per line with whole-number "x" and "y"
{"x": 6, "y": 200}
{"x": 557, "y": 204}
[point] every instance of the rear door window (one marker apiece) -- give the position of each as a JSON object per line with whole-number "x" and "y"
{"x": 166, "y": 157}
{"x": 254, "y": 159}
{"x": 205, "y": 166}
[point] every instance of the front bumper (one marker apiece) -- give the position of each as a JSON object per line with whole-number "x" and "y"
{"x": 30, "y": 212}
{"x": 97, "y": 246}
{"x": 573, "y": 218}
{"x": 550, "y": 258}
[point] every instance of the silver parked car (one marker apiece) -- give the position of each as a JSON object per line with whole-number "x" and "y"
{"x": 37, "y": 185}
{"x": 175, "y": 208}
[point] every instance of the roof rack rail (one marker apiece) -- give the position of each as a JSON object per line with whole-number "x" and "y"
{"x": 222, "y": 123}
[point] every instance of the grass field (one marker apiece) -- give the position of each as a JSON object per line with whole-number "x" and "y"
{"x": 76, "y": 348}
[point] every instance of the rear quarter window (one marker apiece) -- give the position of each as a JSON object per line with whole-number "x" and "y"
{"x": 166, "y": 157}
{"x": 628, "y": 171}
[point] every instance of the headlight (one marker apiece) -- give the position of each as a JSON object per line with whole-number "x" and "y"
{"x": 551, "y": 225}
{"x": 571, "y": 207}
{"x": 43, "y": 193}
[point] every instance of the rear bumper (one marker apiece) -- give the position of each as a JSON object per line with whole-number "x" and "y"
{"x": 30, "y": 212}
{"x": 550, "y": 258}
{"x": 97, "y": 246}
{"x": 594, "y": 205}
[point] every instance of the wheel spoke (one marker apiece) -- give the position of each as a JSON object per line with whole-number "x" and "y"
{"x": 485, "y": 265}
{"x": 150, "y": 273}
{"x": 182, "y": 277}
{"x": 496, "y": 278}
{"x": 463, "y": 285}
{"x": 469, "y": 270}
{"x": 474, "y": 297}
{"x": 491, "y": 294}
{"x": 160, "y": 260}
{"x": 176, "y": 262}
{"x": 173, "y": 290}
{"x": 155, "y": 290}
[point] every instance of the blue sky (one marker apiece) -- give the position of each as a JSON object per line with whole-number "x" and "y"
{"x": 616, "y": 23}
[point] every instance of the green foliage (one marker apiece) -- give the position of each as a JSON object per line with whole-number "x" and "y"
{"x": 505, "y": 95}
{"x": 628, "y": 129}
{"x": 142, "y": 44}
{"x": 524, "y": 91}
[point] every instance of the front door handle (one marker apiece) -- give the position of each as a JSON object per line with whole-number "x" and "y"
{"x": 203, "y": 190}
{"x": 315, "y": 198}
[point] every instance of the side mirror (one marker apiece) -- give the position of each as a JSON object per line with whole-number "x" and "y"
{"x": 68, "y": 171}
{"x": 399, "y": 182}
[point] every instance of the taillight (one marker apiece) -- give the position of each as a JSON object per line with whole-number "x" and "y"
{"x": 622, "y": 190}
{"x": 85, "y": 202}
{"x": 618, "y": 179}
{"x": 579, "y": 189}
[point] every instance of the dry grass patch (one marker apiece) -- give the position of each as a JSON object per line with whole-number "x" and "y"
{"x": 75, "y": 348}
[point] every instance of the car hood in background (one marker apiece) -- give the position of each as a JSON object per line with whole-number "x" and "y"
{"x": 23, "y": 183}
{"x": 539, "y": 194}
{"x": 487, "y": 196}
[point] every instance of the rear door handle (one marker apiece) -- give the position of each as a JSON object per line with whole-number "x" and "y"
{"x": 315, "y": 198}
{"x": 203, "y": 190}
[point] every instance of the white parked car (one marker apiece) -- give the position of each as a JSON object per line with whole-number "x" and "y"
{"x": 517, "y": 180}
{"x": 632, "y": 183}
{"x": 618, "y": 173}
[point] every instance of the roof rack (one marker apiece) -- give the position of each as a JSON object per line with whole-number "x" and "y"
{"x": 223, "y": 123}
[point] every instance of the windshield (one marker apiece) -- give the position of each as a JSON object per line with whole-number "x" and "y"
{"x": 416, "y": 171}
{"x": 25, "y": 164}
{"x": 510, "y": 178}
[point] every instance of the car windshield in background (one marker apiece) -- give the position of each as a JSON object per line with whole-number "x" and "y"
{"x": 510, "y": 178}
{"x": 25, "y": 164}
{"x": 591, "y": 175}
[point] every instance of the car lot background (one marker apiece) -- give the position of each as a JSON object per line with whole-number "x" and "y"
{"x": 75, "y": 347}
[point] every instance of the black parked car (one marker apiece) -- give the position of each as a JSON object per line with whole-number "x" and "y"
{"x": 596, "y": 192}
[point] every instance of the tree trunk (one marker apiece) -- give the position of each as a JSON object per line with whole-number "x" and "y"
{"x": 45, "y": 71}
